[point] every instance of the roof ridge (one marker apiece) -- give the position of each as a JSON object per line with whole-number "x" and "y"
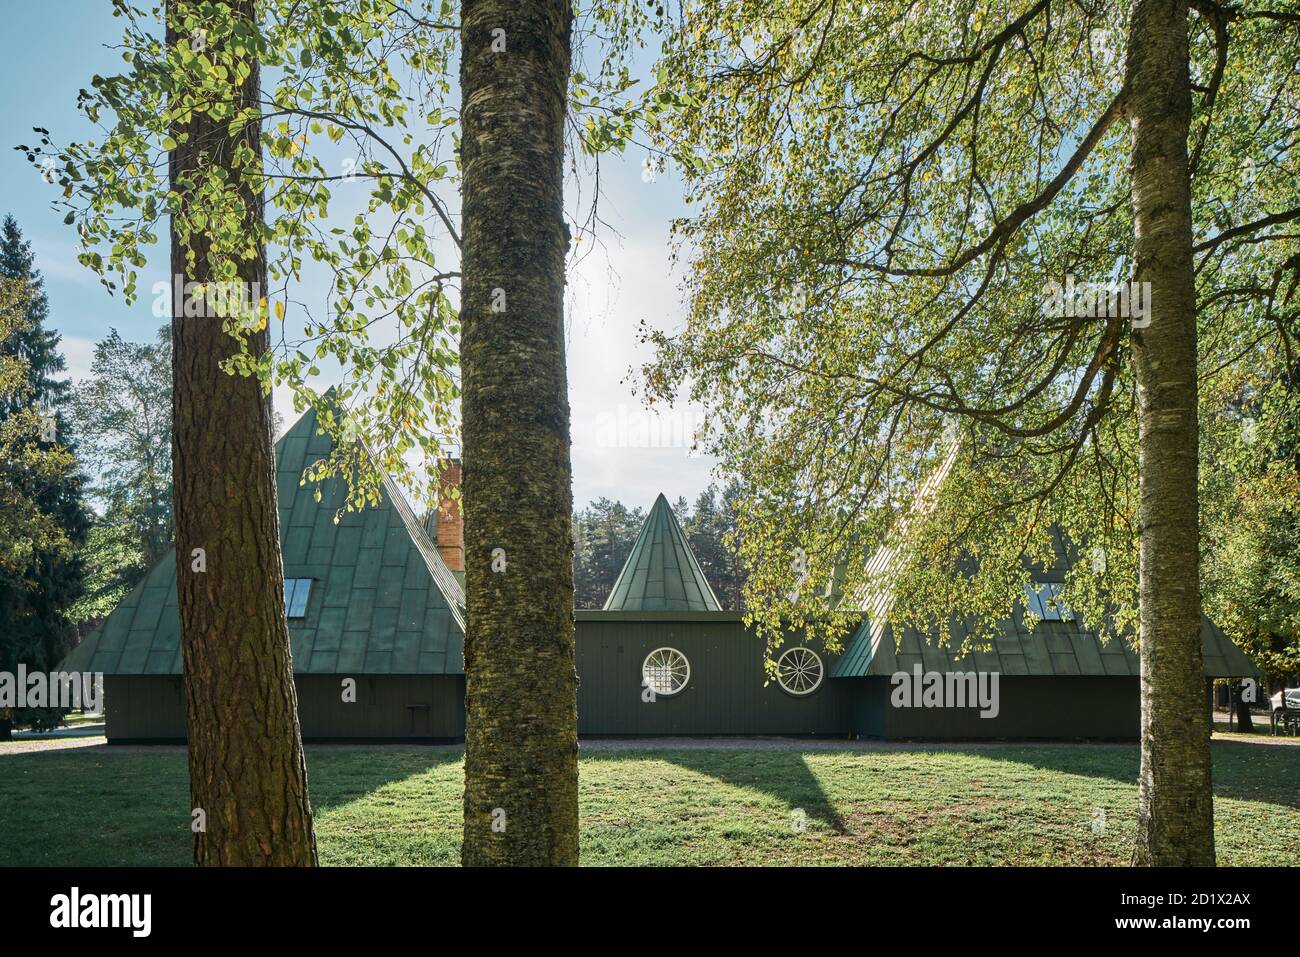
{"x": 442, "y": 576}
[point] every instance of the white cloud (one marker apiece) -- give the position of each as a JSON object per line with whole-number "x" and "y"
{"x": 57, "y": 261}
{"x": 621, "y": 448}
{"x": 78, "y": 352}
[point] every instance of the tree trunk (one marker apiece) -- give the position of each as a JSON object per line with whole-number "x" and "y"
{"x": 521, "y": 744}
{"x": 1175, "y": 801}
{"x": 247, "y": 772}
{"x": 1244, "y": 720}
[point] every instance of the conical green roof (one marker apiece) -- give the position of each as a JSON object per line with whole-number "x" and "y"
{"x": 382, "y": 600}
{"x": 661, "y": 574}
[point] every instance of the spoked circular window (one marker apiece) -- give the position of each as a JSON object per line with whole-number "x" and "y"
{"x": 665, "y": 671}
{"x": 799, "y": 671}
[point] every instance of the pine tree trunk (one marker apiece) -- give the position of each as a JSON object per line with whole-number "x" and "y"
{"x": 247, "y": 772}
{"x": 521, "y": 745}
{"x": 1175, "y": 801}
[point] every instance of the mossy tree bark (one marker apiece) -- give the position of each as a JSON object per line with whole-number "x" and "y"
{"x": 521, "y": 770}
{"x": 247, "y": 772}
{"x": 1175, "y": 801}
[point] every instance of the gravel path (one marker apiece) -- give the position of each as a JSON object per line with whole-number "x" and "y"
{"x": 593, "y": 745}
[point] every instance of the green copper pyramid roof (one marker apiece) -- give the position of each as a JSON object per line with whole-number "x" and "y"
{"x": 1051, "y": 647}
{"x": 661, "y": 574}
{"x": 382, "y": 601}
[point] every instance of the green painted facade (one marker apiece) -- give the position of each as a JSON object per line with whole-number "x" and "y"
{"x": 1080, "y": 707}
{"x": 729, "y": 691}
{"x": 387, "y": 707}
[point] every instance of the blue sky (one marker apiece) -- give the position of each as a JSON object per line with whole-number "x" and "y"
{"x": 51, "y": 50}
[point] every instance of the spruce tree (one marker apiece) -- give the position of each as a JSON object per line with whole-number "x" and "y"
{"x": 35, "y": 629}
{"x": 36, "y": 344}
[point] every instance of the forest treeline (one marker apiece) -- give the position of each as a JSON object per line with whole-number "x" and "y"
{"x": 604, "y": 532}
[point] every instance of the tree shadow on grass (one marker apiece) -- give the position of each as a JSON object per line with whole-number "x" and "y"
{"x": 782, "y": 774}
{"x": 131, "y": 805}
{"x": 342, "y": 776}
{"x": 1242, "y": 771}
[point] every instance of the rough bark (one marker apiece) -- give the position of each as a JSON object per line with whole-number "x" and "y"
{"x": 521, "y": 770}
{"x": 1175, "y": 802}
{"x": 247, "y": 771}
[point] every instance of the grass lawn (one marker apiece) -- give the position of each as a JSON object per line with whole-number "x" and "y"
{"x": 74, "y": 719}
{"x": 990, "y": 806}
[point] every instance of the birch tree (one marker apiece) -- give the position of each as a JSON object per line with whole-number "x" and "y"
{"x": 909, "y": 214}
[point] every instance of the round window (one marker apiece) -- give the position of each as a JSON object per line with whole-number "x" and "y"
{"x": 665, "y": 671}
{"x": 799, "y": 671}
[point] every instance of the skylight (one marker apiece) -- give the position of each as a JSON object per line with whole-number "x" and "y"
{"x": 296, "y": 593}
{"x": 1044, "y": 600}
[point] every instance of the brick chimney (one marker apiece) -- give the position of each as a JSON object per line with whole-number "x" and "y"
{"x": 449, "y": 534}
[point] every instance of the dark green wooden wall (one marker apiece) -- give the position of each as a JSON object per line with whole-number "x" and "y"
{"x": 153, "y": 709}
{"x": 1030, "y": 707}
{"x": 726, "y": 693}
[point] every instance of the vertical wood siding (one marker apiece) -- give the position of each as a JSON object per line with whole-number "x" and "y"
{"x": 153, "y": 709}
{"x": 725, "y": 695}
{"x": 1029, "y": 707}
